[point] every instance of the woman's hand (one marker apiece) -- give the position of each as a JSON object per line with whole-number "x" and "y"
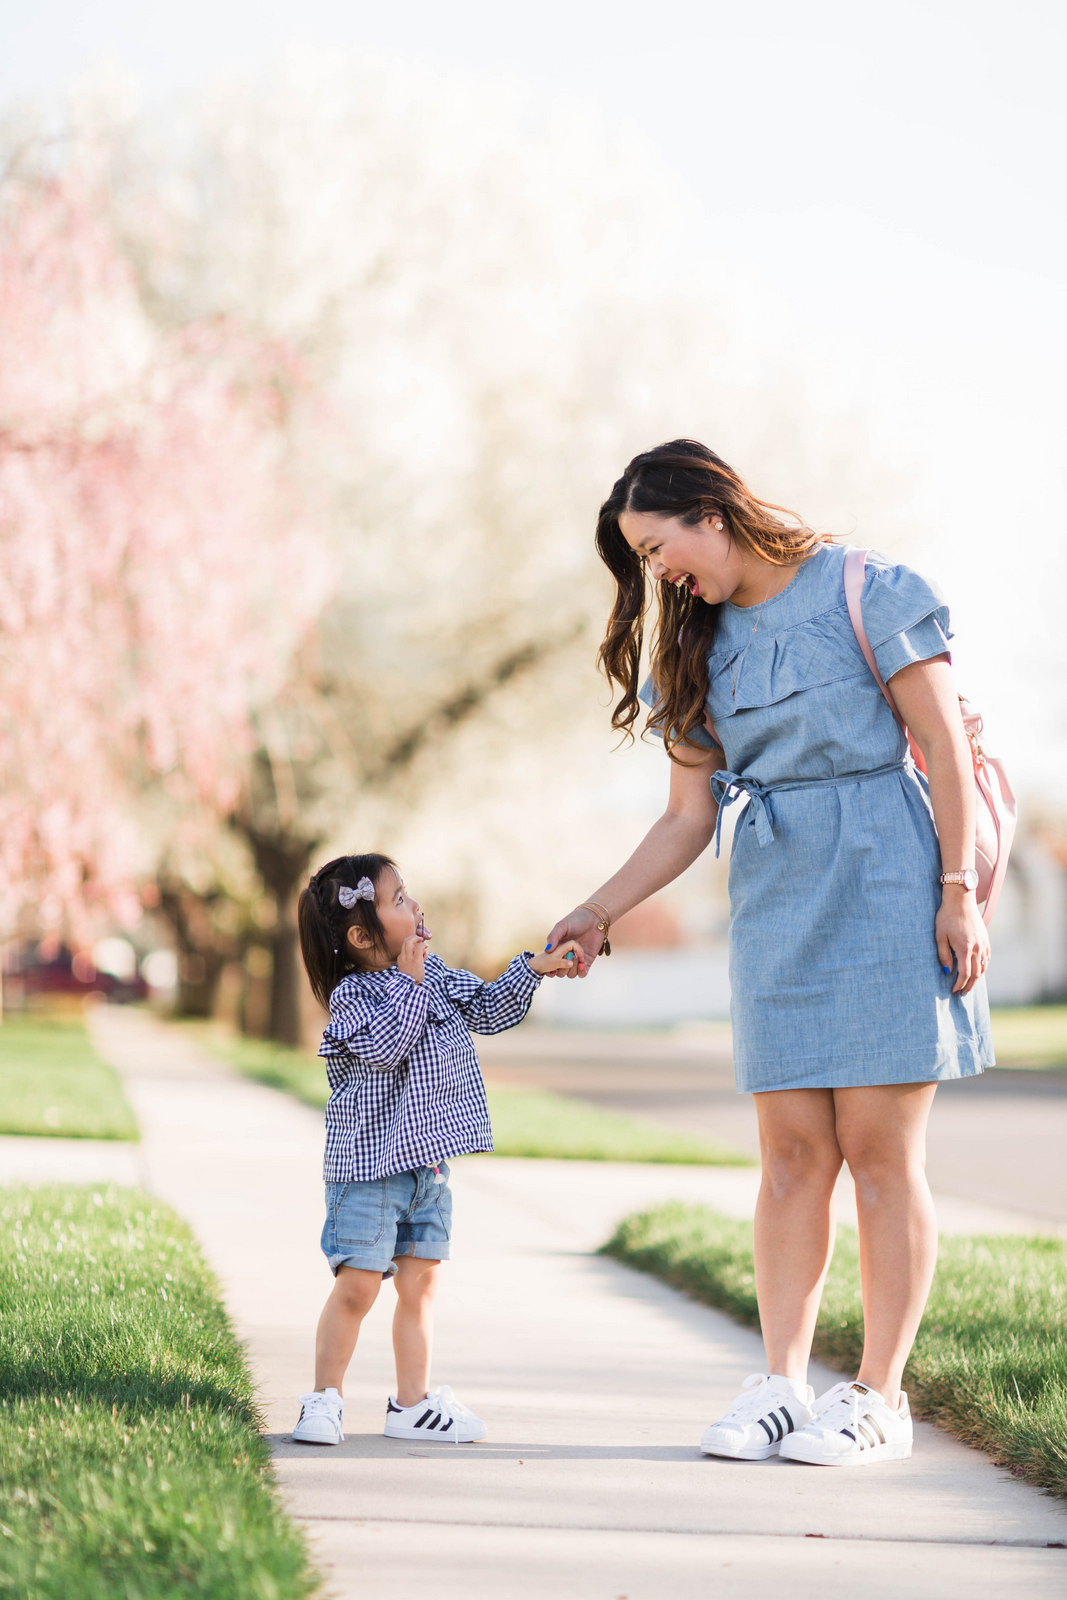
{"x": 412, "y": 957}
{"x": 579, "y": 929}
{"x": 566, "y": 958}
{"x": 962, "y": 938}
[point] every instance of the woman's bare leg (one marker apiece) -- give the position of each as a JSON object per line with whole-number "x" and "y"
{"x": 882, "y": 1133}
{"x": 794, "y": 1225}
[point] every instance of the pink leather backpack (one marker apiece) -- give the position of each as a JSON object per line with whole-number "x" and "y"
{"x": 994, "y": 801}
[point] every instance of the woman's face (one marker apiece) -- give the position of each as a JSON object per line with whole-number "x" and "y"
{"x": 700, "y": 557}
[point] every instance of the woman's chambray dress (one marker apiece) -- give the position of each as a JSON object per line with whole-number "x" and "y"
{"x": 834, "y": 971}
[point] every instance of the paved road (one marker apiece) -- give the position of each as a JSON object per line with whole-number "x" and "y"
{"x": 596, "y": 1382}
{"x": 998, "y": 1140}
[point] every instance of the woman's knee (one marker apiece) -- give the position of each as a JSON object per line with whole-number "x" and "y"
{"x": 879, "y": 1165}
{"x": 882, "y": 1132}
{"x": 795, "y": 1163}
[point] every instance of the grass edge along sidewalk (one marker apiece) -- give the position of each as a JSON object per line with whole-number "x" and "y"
{"x": 53, "y": 1084}
{"x": 131, "y": 1462}
{"x": 990, "y": 1360}
{"x": 535, "y": 1123}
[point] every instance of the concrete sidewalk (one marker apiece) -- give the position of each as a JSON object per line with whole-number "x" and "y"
{"x": 595, "y": 1380}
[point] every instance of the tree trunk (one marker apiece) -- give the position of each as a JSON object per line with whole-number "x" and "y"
{"x": 285, "y": 985}
{"x": 202, "y": 950}
{"x": 282, "y": 861}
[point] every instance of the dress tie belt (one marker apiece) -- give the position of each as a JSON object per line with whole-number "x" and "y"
{"x": 726, "y": 787}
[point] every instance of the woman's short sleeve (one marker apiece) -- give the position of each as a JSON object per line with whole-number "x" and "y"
{"x": 699, "y": 736}
{"x": 905, "y": 617}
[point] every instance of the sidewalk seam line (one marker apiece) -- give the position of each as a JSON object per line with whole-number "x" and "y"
{"x": 713, "y": 1533}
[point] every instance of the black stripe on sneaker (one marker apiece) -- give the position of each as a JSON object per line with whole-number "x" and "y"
{"x": 425, "y": 1414}
{"x": 850, "y": 1435}
{"x": 777, "y": 1424}
{"x": 872, "y": 1422}
{"x": 867, "y": 1434}
{"x": 788, "y": 1418}
{"x": 436, "y": 1420}
{"x": 391, "y": 1407}
{"x": 448, "y": 1424}
{"x": 767, "y": 1431}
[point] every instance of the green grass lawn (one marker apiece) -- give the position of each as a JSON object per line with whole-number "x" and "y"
{"x": 990, "y": 1362}
{"x": 1030, "y": 1036}
{"x": 52, "y": 1082}
{"x": 131, "y": 1466}
{"x": 526, "y": 1122}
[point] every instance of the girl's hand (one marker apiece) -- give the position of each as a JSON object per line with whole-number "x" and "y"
{"x": 578, "y": 926}
{"x": 568, "y": 958}
{"x": 962, "y": 938}
{"x": 412, "y": 957}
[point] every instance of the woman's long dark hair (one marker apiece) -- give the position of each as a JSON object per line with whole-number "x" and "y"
{"x": 686, "y": 480}
{"x": 324, "y": 922}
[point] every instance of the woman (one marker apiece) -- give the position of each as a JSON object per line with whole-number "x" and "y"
{"x": 856, "y": 946}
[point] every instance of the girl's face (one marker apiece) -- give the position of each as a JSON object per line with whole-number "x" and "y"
{"x": 700, "y": 557}
{"x": 400, "y": 915}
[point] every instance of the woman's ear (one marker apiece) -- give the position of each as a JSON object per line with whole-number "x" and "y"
{"x": 358, "y": 937}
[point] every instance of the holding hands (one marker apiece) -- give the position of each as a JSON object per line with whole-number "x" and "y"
{"x": 568, "y": 958}
{"x": 579, "y": 930}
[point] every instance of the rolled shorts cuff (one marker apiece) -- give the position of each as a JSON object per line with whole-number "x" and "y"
{"x": 428, "y": 1250}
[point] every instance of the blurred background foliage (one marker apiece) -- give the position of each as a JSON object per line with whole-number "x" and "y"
{"x": 313, "y": 384}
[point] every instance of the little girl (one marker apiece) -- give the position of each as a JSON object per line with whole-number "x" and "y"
{"x": 406, "y": 1093}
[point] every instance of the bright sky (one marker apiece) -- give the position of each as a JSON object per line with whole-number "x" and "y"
{"x": 878, "y": 192}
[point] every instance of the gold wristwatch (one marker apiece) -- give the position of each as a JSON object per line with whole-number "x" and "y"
{"x": 967, "y": 879}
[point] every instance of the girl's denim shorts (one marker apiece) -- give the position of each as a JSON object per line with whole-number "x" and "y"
{"x": 368, "y": 1224}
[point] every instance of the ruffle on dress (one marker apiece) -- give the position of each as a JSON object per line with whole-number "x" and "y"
{"x": 905, "y": 617}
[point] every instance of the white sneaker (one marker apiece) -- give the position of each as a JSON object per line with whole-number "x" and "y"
{"x": 322, "y": 1416}
{"x": 440, "y": 1418}
{"x": 764, "y": 1413}
{"x": 852, "y": 1426}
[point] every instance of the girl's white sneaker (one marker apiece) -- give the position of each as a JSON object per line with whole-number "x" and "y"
{"x": 766, "y": 1411}
{"x": 852, "y": 1427}
{"x": 439, "y": 1419}
{"x": 321, "y": 1420}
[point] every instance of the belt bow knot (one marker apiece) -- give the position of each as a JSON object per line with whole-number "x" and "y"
{"x": 729, "y": 786}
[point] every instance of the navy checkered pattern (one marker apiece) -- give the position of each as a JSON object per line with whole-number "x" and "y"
{"x": 406, "y": 1088}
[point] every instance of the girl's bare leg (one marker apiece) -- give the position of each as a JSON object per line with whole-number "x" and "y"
{"x": 354, "y": 1292}
{"x": 794, "y": 1224}
{"x": 416, "y": 1285}
{"x": 882, "y": 1133}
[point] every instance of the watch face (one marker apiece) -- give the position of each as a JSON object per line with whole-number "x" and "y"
{"x": 970, "y": 878}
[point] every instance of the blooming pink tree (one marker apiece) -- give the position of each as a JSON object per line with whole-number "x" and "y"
{"x": 144, "y": 541}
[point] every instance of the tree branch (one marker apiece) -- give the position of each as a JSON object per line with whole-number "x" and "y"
{"x": 458, "y": 707}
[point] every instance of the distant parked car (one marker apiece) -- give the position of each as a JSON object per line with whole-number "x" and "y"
{"x": 51, "y": 970}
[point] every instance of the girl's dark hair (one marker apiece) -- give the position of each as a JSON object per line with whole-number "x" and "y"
{"x": 324, "y": 922}
{"x": 682, "y": 479}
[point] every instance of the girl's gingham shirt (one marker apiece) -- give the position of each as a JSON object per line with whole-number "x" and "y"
{"x": 406, "y": 1088}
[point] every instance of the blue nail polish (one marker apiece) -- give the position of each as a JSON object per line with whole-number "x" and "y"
{"x": 947, "y": 971}
{"x": 548, "y": 948}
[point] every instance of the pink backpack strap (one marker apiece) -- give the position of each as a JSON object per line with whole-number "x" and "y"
{"x": 855, "y": 569}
